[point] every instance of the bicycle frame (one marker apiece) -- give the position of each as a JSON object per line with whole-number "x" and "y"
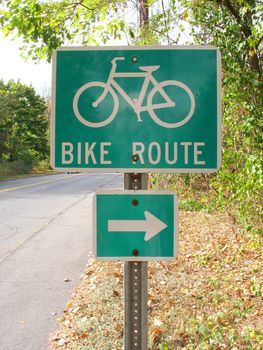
{"x": 136, "y": 104}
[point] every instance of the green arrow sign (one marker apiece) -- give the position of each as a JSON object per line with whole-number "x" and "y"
{"x": 136, "y": 109}
{"x": 135, "y": 225}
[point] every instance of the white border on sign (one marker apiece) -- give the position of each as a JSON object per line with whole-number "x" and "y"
{"x": 53, "y": 113}
{"x": 138, "y": 170}
{"x": 219, "y": 110}
{"x": 130, "y": 258}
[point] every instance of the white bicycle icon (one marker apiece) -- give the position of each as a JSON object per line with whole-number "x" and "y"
{"x": 98, "y": 92}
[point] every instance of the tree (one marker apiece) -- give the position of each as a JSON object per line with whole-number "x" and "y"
{"x": 4, "y": 120}
{"x": 24, "y": 128}
{"x": 46, "y": 25}
{"x": 235, "y": 26}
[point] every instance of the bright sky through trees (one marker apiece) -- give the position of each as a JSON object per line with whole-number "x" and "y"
{"x": 13, "y": 66}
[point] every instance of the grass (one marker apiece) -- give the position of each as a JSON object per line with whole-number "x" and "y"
{"x": 19, "y": 170}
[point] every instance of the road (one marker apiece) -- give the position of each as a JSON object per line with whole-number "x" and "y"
{"x": 45, "y": 243}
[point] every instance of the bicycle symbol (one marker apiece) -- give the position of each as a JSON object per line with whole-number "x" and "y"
{"x": 98, "y": 92}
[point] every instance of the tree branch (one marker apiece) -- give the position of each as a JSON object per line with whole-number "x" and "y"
{"x": 245, "y": 31}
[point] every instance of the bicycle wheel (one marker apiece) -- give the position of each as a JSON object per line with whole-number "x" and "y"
{"x": 181, "y": 108}
{"x": 90, "y": 113}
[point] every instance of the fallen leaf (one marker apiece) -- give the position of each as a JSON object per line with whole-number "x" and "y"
{"x": 116, "y": 293}
{"x": 84, "y": 335}
{"x": 156, "y": 334}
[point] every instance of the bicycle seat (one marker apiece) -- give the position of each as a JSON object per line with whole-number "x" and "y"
{"x": 149, "y": 69}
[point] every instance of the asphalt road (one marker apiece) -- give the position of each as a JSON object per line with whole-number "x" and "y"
{"x": 45, "y": 243}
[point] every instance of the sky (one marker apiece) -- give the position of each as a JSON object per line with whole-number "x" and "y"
{"x": 13, "y": 66}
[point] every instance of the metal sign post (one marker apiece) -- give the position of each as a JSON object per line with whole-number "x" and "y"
{"x": 135, "y": 225}
{"x": 135, "y": 286}
{"x": 135, "y": 305}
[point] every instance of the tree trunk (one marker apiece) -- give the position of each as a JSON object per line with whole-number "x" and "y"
{"x": 144, "y": 13}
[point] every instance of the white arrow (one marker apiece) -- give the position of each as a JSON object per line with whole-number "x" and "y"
{"x": 151, "y": 225}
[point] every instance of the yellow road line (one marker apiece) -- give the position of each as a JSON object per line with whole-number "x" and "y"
{"x": 33, "y": 184}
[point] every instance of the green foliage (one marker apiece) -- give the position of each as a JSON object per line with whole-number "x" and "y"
{"x": 164, "y": 346}
{"x": 256, "y": 288}
{"x": 236, "y": 28}
{"x": 240, "y": 180}
{"x": 46, "y": 25}
{"x": 24, "y": 128}
{"x": 214, "y": 331}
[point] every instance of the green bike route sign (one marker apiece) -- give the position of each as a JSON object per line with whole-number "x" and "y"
{"x": 135, "y": 225}
{"x": 136, "y": 109}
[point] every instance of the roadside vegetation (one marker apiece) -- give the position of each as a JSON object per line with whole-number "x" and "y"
{"x": 211, "y": 296}
{"x": 24, "y": 130}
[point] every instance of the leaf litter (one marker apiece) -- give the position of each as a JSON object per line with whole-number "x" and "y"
{"x": 210, "y": 297}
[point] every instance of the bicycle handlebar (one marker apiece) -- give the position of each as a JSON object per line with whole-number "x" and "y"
{"x": 117, "y": 59}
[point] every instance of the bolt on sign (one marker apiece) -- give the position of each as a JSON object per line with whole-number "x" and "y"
{"x": 136, "y": 109}
{"x": 135, "y": 225}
